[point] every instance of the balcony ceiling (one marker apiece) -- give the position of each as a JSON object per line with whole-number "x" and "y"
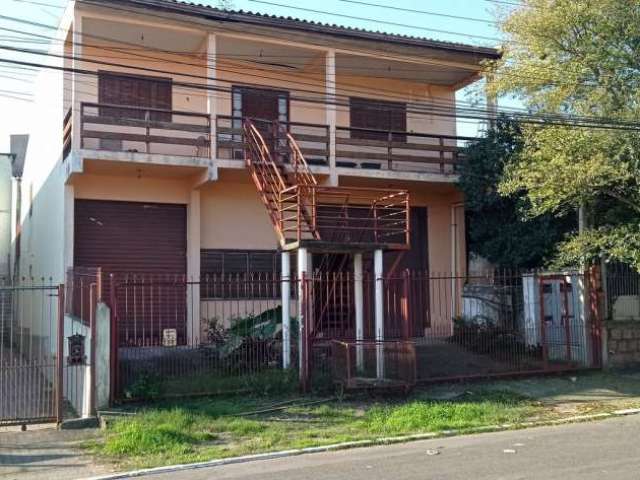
{"x": 142, "y": 36}
{"x": 270, "y": 55}
{"x": 285, "y": 57}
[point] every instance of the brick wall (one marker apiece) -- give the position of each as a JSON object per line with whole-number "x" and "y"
{"x": 623, "y": 344}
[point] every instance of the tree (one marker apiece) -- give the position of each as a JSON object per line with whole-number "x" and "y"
{"x": 496, "y": 227}
{"x": 577, "y": 58}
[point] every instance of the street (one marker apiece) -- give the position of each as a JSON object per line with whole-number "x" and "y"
{"x": 595, "y": 450}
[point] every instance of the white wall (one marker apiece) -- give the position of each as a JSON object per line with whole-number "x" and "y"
{"x": 42, "y": 215}
{"x": 5, "y": 214}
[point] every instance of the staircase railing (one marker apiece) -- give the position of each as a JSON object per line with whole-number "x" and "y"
{"x": 265, "y": 173}
{"x": 301, "y": 210}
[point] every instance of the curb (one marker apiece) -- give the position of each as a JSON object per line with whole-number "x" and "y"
{"x": 362, "y": 443}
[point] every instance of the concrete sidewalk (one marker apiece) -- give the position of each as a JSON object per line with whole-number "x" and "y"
{"x": 46, "y": 453}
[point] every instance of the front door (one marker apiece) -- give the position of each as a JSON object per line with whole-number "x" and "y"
{"x": 263, "y": 107}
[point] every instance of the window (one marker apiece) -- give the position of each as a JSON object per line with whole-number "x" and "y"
{"x": 240, "y": 273}
{"x": 377, "y": 115}
{"x": 135, "y": 91}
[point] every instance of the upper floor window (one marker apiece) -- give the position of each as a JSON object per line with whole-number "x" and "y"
{"x": 135, "y": 91}
{"x": 368, "y": 114}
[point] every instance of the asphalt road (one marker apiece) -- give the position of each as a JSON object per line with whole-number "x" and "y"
{"x": 608, "y": 449}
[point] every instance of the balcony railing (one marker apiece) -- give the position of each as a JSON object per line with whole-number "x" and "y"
{"x": 398, "y": 151}
{"x": 362, "y": 217}
{"x": 145, "y": 130}
{"x": 313, "y": 139}
{"x": 172, "y": 132}
{"x": 357, "y": 148}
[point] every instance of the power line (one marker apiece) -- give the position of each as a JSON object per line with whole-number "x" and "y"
{"x": 390, "y": 93}
{"x": 127, "y": 66}
{"x": 422, "y": 12}
{"x": 597, "y": 123}
{"x": 358, "y": 90}
{"x": 385, "y": 22}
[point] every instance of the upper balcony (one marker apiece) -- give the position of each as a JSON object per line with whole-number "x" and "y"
{"x": 174, "y": 94}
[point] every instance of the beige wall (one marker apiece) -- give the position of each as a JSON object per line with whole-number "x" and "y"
{"x": 233, "y": 217}
{"x": 189, "y": 67}
{"x": 132, "y": 189}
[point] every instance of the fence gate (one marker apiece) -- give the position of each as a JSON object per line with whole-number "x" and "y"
{"x": 568, "y": 326}
{"x": 30, "y": 346}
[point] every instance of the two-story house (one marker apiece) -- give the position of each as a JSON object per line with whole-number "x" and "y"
{"x": 180, "y": 139}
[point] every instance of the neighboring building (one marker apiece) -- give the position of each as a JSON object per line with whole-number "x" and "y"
{"x": 6, "y": 161}
{"x": 137, "y": 164}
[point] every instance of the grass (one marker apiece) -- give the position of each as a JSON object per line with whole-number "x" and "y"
{"x": 183, "y": 431}
{"x": 198, "y": 430}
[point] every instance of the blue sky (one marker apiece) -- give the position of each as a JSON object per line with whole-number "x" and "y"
{"x": 16, "y": 85}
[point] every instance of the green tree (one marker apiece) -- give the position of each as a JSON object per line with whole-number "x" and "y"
{"x": 497, "y": 229}
{"x": 578, "y": 58}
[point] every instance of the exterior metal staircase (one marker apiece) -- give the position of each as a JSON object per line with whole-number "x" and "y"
{"x": 278, "y": 189}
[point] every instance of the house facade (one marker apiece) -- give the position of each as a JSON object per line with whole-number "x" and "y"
{"x": 181, "y": 140}
{"x": 367, "y": 110}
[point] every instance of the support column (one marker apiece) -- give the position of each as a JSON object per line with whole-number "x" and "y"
{"x": 379, "y": 312}
{"x": 193, "y": 268}
{"x": 359, "y": 304}
{"x": 212, "y": 94}
{"x": 69, "y": 221}
{"x": 330, "y": 84}
{"x": 285, "y": 290}
{"x": 303, "y": 270}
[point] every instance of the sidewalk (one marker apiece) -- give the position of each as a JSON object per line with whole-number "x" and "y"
{"x": 46, "y": 453}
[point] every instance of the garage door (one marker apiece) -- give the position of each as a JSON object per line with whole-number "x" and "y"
{"x": 144, "y": 245}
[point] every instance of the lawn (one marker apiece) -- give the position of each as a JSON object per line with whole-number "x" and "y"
{"x": 271, "y": 416}
{"x": 203, "y": 429}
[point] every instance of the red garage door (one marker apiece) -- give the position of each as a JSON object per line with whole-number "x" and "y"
{"x": 144, "y": 245}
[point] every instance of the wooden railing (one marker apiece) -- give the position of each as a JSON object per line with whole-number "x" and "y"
{"x": 312, "y": 139}
{"x": 360, "y": 148}
{"x": 145, "y": 130}
{"x": 67, "y": 141}
{"x": 345, "y": 216}
{"x": 395, "y": 150}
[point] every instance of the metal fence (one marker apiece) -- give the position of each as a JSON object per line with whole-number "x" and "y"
{"x": 29, "y": 345}
{"x": 176, "y": 336}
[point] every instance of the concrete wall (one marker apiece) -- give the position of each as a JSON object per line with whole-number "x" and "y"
{"x": 5, "y": 213}
{"x": 233, "y": 217}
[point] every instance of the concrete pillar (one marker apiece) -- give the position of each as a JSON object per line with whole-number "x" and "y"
{"x": 212, "y": 94}
{"x": 69, "y": 219}
{"x": 303, "y": 270}
{"x": 286, "y": 314}
{"x": 379, "y": 312}
{"x": 193, "y": 268}
{"x": 359, "y": 307}
{"x": 330, "y": 84}
{"x": 103, "y": 355}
